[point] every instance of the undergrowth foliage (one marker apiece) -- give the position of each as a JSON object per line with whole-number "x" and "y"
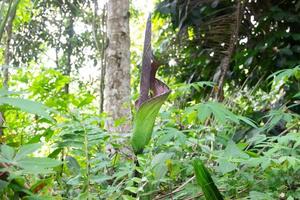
{"x": 184, "y": 144}
{"x": 246, "y": 158}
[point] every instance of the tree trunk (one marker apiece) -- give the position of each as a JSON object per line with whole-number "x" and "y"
{"x": 224, "y": 66}
{"x": 69, "y": 50}
{"x": 100, "y": 37}
{"x": 7, "y": 52}
{"x": 7, "y": 57}
{"x": 117, "y": 78}
{"x": 103, "y": 57}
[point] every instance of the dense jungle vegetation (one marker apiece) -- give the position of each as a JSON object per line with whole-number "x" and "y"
{"x": 154, "y": 99}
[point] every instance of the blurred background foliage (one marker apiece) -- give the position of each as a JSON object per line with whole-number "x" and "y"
{"x": 249, "y": 139}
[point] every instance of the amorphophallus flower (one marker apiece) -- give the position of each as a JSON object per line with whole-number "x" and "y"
{"x": 153, "y": 93}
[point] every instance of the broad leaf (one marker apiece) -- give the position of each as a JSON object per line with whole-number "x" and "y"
{"x": 7, "y": 152}
{"x": 38, "y": 163}
{"x": 27, "y": 149}
{"x": 233, "y": 151}
{"x": 221, "y": 113}
{"x": 4, "y": 92}
{"x": 225, "y": 166}
{"x": 205, "y": 181}
{"x": 297, "y": 95}
{"x": 3, "y": 185}
{"x": 144, "y": 122}
{"x": 159, "y": 164}
{"x": 73, "y": 165}
{"x": 100, "y": 178}
{"x": 284, "y": 74}
{"x": 254, "y": 195}
{"x": 27, "y": 106}
{"x": 228, "y": 158}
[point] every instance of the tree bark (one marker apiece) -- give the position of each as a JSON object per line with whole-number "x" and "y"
{"x": 101, "y": 44}
{"x": 224, "y": 65}
{"x": 69, "y": 50}
{"x": 7, "y": 53}
{"x": 3, "y": 22}
{"x": 7, "y": 57}
{"x": 117, "y": 78}
{"x": 103, "y": 63}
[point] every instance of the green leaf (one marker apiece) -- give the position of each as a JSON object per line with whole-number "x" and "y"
{"x": 249, "y": 61}
{"x": 38, "y": 197}
{"x": 225, "y": 166}
{"x": 266, "y": 162}
{"x": 165, "y": 138}
{"x": 232, "y": 150}
{"x": 55, "y": 153}
{"x": 297, "y": 95}
{"x": 75, "y": 180}
{"x": 3, "y": 185}
{"x": 248, "y": 121}
{"x": 144, "y": 122}
{"x": 220, "y": 112}
{"x": 254, "y": 195}
{"x": 100, "y": 178}
{"x": 160, "y": 158}
{"x": 17, "y": 187}
{"x": 229, "y": 156}
{"x": 159, "y": 164}
{"x": 296, "y": 36}
{"x": 27, "y": 106}
{"x": 7, "y": 152}
{"x": 37, "y": 163}
{"x": 5, "y": 92}
{"x": 40, "y": 183}
{"x": 205, "y": 181}
{"x": 127, "y": 197}
{"x": 203, "y": 112}
{"x": 284, "y": 74}
{"x": 73, "y": 165}
{"x": 132, "y": 189}
{"x": 27, "y": 149}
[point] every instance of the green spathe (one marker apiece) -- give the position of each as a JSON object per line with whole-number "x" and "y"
{"x": 144, "y": 121}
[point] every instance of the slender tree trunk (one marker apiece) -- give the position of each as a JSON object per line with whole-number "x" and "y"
{"x": 103, "y": 57}
{"x": 7, "y": 57}
{"x": 1, "y": 127}
{"x": 6, "y": 16}
{"x": 117, "y": 78}
{"x": 69, "y": 51}
{"x": 100, "y": 29}
{"x": 224, "y": 65}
